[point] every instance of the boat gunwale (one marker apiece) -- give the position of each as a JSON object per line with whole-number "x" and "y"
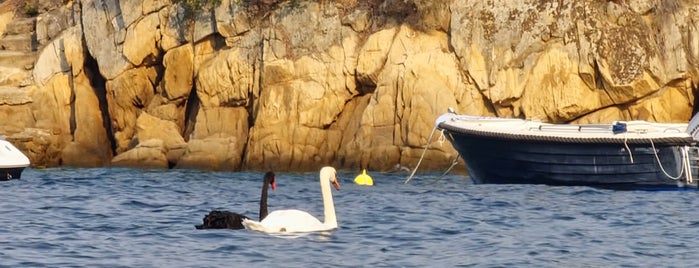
{"x": 543, "y": 137}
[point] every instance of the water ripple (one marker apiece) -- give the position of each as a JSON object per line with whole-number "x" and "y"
{"x": 114, "y": 217}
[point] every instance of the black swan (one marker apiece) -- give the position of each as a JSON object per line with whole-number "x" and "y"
{"x": 220, "y": 219}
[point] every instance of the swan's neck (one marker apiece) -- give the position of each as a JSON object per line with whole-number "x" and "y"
{"x": 328, "y": 205}
{"x": 263, "y": 201}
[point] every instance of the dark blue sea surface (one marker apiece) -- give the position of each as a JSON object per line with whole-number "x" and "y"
{"x": 114, "y": 217}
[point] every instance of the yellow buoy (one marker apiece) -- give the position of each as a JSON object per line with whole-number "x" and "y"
{"x": 364, "y": 179}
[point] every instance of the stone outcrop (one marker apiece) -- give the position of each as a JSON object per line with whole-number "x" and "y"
{"x": 258, "y": 85}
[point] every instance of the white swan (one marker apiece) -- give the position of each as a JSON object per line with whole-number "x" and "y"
{"x": 297, "y": 221}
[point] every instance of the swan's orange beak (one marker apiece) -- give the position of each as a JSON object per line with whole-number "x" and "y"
{"x": 336, "y": 183}
{"x": 274, "y": 184}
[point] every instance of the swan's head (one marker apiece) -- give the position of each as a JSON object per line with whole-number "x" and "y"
{"x": 330, "y": 174}
{"x": 271, "y": 179}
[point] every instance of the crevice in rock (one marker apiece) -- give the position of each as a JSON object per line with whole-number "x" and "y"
{"x": 251, "y": 122}
{"x": 98, "y": 83}
{"x": 191, "y": 111}
{"x": 362, "y": 88}
{"x": 599, "y": 81}
{"x": 600, "y": 84}
{"x": 71, "y": 120}
{"x": 695, "y": 92}
{"x": 252, "y": 101}
{"x": 71, "y": 84}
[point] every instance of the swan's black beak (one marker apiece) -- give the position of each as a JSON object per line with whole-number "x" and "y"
{"x": 336, "y": 183}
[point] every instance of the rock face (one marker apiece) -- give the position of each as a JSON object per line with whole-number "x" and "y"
{"x": 258, "y": 85}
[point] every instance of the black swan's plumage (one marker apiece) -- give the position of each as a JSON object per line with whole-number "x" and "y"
{"x": 221, "y": 219}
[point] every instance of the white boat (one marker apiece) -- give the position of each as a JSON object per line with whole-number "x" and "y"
{"x": 619, "y": 155}
{"x": 12, "y": 161}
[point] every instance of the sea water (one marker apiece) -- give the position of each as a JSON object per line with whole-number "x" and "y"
{"x": 114, "y": 217}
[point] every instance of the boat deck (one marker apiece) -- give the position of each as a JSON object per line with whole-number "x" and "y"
{"x": 619, "y": 132}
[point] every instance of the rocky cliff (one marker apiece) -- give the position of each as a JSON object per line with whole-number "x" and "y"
{"x": 293, "y": 85}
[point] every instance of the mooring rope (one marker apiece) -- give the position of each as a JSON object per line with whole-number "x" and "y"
{"x": 453, "y": 163}
{"x": 655, "y": 152}
{"x": 627, "y": 147}
{"x": 429, "y": 141}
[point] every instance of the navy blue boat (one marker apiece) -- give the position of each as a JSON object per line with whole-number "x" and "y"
{"x": 620, "y": 155}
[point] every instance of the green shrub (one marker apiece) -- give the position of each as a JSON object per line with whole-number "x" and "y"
{"x": 192, "y": 7}
{"x": 30, "y": 10}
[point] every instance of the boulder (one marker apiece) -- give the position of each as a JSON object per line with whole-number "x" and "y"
{"x": 178, "y": 75}
{"x": 226, "y": 80}
{"x": 232, "y": 20}
{"x": 15, "y": 110}
{"x": 141, "y": 43}
{"x": 63, "y": 55}
{"x": 147, "y": 154}
{"x": 127, "y": 95}
{"x": 50, "y": 25}
{"x": 212, "y": 154}
{"x": 90, "y": 145}
{"x": 149, "y": 127}
{"x": 104, "y": 34}
{"x": 373, "y": 55}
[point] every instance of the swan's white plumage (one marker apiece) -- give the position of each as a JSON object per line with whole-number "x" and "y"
{"x": 289, "y": 220}
{"x": 297, "y": 221}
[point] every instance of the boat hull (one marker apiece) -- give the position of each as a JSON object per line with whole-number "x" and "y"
{"x": 12, "y": 161}
{"x": 607, "y": 165}
{"x": 10, "y": 173}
